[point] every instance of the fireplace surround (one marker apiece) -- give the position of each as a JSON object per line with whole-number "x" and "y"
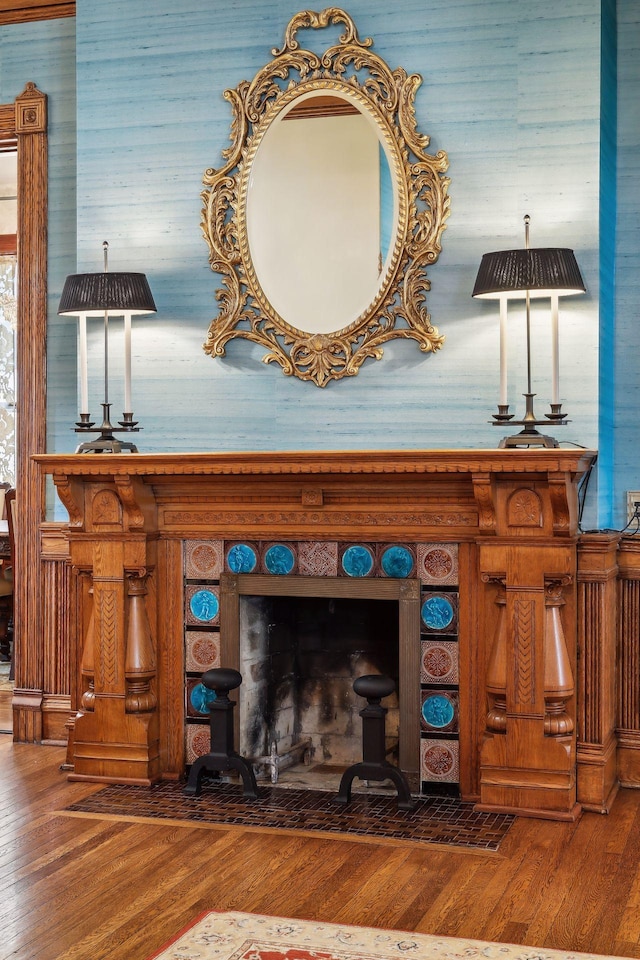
{"x": 300, "y": 639}
{"x": 510, "y": 514}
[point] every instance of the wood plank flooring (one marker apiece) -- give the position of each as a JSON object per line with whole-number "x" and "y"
{"x": 77, "y": 887}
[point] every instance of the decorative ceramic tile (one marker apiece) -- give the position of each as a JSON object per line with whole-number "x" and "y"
{"x": 440, "y": 760}
{"x": 241, "y": 557}
{"x": 357, "y": 560}
{"x": 197, "y": 698}
{"x": 198, "y": 741}
{"x": 439, "y": 711}
{"x": 439, "y": 613}
{"x": 203, "y": 559}
{"x": 439, "y": 662}
{"x": 317, "y": 558}
{"x": 202, "y": 651}
{"x": 397, "y": 560}
{"x": 280, "y": 559}
{"x": 202, "y": 605}
{"x": 438, "y": 563}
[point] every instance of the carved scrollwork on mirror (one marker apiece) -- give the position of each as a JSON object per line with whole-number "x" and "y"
{"x": 327, "y": 210}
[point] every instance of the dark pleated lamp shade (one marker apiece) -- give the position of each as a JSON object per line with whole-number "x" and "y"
{"x": 113, "y": 293}
{"x": 543, "y": 272}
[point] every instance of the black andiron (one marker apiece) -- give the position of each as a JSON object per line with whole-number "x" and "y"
{"x": 222, "y": 756}
{"x": 374, "y": 765}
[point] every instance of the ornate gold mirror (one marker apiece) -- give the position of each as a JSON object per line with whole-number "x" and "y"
{"x": 327, "y": 211}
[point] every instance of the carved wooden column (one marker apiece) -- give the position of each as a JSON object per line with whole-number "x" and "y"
{"x": 112, "y": 535}
{"x": 597, "y": 626}
{"x": 629, "y": 663}
{"x": 527, "y": 760}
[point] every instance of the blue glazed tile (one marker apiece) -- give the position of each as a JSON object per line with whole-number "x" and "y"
{"x": 279, "y": 559}
{"x": 397, "y": 562}
{"x": 357, "y": 561}
{"x": 438, "y": 711}
{"x": 437, "y": 612}
{"x": 241, "y": 558}
{"x": 204, "y": 605}
{"x": 200, "y": 697}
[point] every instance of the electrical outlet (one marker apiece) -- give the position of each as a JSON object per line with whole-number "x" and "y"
{"x": 633, "y": 497}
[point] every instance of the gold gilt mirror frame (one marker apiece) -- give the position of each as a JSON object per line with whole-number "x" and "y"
{"x": 348, "y": 74}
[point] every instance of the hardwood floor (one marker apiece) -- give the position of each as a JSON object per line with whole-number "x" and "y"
{"x": 77, "y": 887}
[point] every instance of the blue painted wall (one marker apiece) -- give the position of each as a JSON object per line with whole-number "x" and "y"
{"x": 512, "y": 91}
{"x": 625, "y": 345}
{"x": 44, "y": 53}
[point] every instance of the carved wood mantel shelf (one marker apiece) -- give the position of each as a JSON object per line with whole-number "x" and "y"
{"x": 511, "y": 513}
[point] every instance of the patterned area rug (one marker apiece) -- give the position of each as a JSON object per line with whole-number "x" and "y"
{"x": 434, "y": 819}
{"x": 244, "y": 936}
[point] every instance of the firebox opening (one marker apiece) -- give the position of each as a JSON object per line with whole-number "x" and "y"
{"x": 299, "y": 657}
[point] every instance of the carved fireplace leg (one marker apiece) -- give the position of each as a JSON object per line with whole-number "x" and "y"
{"x": 115, "y": 736}
{"x": 528, "y": 756}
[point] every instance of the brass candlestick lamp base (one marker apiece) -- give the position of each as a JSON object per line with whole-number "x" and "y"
{"x": 530, "y": 436}
{"x": 106, "y": 442}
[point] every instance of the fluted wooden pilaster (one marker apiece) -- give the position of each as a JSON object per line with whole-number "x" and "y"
{"x": 56, "y": 613}
{"x": 629, "y": 663}
{"x": 597, "y": 603}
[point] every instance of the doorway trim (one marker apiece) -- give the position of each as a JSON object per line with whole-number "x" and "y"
{"x": 25, "y": 122}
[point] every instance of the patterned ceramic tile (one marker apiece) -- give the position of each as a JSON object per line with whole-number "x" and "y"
{"x": 439, "y": 613}
{"x": 198, "y": 741}
{"x": 317, "y": 558}
{"x": 280, "y": 559}
{"x": 203, "y": 559}
{"x": 439, "y": 711}
{"x": 440, "y": 761}
{"x": 439, "y": 662}
{"x": 202, "y": 605}
{"x": 438, "y": 563}
{"x": 202, "y": 651}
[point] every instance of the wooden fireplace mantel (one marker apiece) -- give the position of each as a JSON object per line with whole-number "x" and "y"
{"x": 513, "y": 514}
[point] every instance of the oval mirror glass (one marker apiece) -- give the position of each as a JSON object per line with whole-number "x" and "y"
{"x": 321, "y": 212}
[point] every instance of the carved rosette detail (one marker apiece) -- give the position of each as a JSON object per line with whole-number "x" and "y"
{"x": 398, "y": 310}
{"x": 31, "y": 110}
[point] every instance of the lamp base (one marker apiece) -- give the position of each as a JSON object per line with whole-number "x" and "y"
{"x": 106, "y": 442}
{"x": 530, "y": 436}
